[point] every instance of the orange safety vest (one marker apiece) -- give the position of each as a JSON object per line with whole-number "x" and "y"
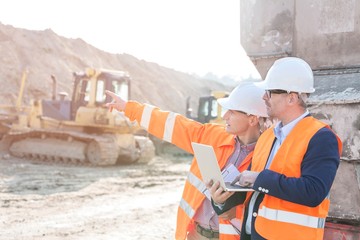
{"x": 279, "y": 219}
{"x": 181, "y": 131}
{"x": 226, "y": 229}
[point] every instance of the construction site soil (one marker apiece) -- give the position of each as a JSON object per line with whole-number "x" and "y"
{"x": 56, "y": 201}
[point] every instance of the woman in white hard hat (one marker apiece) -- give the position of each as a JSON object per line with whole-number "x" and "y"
{"x": 196, "y": 218}
{"x": 293, "y": 166}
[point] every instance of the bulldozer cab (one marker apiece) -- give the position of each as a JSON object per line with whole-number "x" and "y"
{"x": 90, "y": 86}
{"x": 88, "y": 92}
{"x": 209, "y": 111}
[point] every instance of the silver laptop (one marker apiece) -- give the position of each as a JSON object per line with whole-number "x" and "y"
{"x": 210, "y": 169}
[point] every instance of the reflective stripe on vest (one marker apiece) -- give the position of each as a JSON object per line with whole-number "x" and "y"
{"x": 169, "y": 127}
{"x": 291, "y": 217}
{"x": 169, "y": 124}
{"x": 198, "y": 184}
{"x": 187, "y": 208}
{"x": 231, "y": 230}
{"x": 146, "y": 115}
{"x": 227, "y": 229}
{"x": 224, "y": 228}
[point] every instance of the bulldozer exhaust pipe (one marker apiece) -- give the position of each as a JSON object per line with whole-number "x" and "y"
{"x": 54, "y": 87}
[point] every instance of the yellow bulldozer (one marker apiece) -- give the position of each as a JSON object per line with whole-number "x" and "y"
{"x": 81, "y": 130}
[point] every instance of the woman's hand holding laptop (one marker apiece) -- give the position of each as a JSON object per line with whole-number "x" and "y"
{"x": 217, "y": 192}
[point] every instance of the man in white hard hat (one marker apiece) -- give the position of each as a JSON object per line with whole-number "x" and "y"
{"x": 232, "y": 144}
{"x": 293, "y": 166}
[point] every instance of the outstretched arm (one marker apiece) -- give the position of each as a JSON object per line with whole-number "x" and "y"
{"x": 169, "y": 126}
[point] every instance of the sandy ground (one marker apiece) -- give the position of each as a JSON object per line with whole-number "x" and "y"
{"x": 54, "y": 201}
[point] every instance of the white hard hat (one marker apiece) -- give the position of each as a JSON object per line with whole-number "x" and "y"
{"x": 291, "y": 74}
{"x": 246, "y": 97}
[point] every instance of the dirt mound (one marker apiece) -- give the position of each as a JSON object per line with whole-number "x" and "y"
{"x": 44, "y": 53}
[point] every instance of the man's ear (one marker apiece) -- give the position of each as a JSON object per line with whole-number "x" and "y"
{"x": 253, "y": 120}
{"x": 291, "y": 98}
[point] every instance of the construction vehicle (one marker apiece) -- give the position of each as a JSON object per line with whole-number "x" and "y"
{"x": 326, "y": 34}
{"x": 81, "y": 130}
{"x": 209, "y": 111}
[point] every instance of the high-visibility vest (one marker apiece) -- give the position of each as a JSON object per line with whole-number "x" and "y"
{"x": 226, "y": 229}
{"x": 181, "y": 131}
{"x": 277, "y": 218}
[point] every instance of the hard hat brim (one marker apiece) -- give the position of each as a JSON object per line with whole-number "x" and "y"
{"x": 262, "y": 85}
{"x": 224, "y": 102}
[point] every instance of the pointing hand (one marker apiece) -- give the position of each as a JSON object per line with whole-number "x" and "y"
{"x": 117, "y": 102}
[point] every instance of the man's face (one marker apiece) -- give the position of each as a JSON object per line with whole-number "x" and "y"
{"x": 237, "y": 122}
{"x": 275, "y": 101}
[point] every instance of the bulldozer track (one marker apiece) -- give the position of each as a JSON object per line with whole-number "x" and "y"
{"x": 63, "y": 147}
